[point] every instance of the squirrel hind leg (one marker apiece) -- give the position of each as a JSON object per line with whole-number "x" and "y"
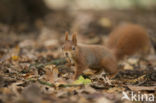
{"x": 110, "y": 67}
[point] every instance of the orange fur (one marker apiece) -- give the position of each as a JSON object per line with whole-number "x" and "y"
{"x": 127, "y": 40}
{"x": 89, "y": 56}
{"x": 124, "y": 41}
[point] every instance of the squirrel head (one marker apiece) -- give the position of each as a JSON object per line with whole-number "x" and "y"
{"x": 70, "y": 46}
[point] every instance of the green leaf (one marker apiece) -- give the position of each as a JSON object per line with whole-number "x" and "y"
{"x": 87, "y": 81}
{"x": 82, "y": 80}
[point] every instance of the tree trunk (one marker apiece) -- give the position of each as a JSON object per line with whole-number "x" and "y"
{"x": 14, "y": 12}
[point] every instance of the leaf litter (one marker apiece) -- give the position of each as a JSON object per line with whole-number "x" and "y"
{"x": 33, "y": 69}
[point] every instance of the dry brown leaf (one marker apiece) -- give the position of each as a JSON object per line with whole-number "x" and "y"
{"x": 104, "y": 100}
{"x": 51, "y": 73}
{"x": 139, "y": 88}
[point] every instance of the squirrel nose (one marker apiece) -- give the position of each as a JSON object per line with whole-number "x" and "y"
{"x": 66, "y": 54}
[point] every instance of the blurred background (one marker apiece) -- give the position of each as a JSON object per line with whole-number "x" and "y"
{"x": 92, "y": 19}
{"x": 44, "y": 22}
{"x": 31, "y": 37}
{"x": 86, "y": 16}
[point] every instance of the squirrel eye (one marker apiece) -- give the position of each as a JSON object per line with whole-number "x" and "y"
{"x": 73, "y": 48}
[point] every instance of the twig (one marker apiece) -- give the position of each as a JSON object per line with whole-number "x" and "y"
{"x": 61, "y": 85}
{"x": 56, "y": 62}
{"x": 46, "y": 83}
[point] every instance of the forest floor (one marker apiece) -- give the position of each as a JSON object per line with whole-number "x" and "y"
{"x": 32, "y": 67}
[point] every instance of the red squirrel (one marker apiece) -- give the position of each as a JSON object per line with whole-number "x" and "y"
{"x": 124, "y": 41}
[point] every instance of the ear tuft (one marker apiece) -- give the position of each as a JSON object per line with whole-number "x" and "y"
{"x": 66, "y": 36}
{"x": 74, "y": 38}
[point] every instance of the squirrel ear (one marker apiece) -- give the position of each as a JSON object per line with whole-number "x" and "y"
{"x": 74, "y": 38}
{"x": 66, "y": 36}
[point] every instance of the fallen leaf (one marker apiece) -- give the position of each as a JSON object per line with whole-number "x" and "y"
{"x": 15, "y": 58}
{"x": 82, "y": 80}
{"x": 138, "y": 88}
